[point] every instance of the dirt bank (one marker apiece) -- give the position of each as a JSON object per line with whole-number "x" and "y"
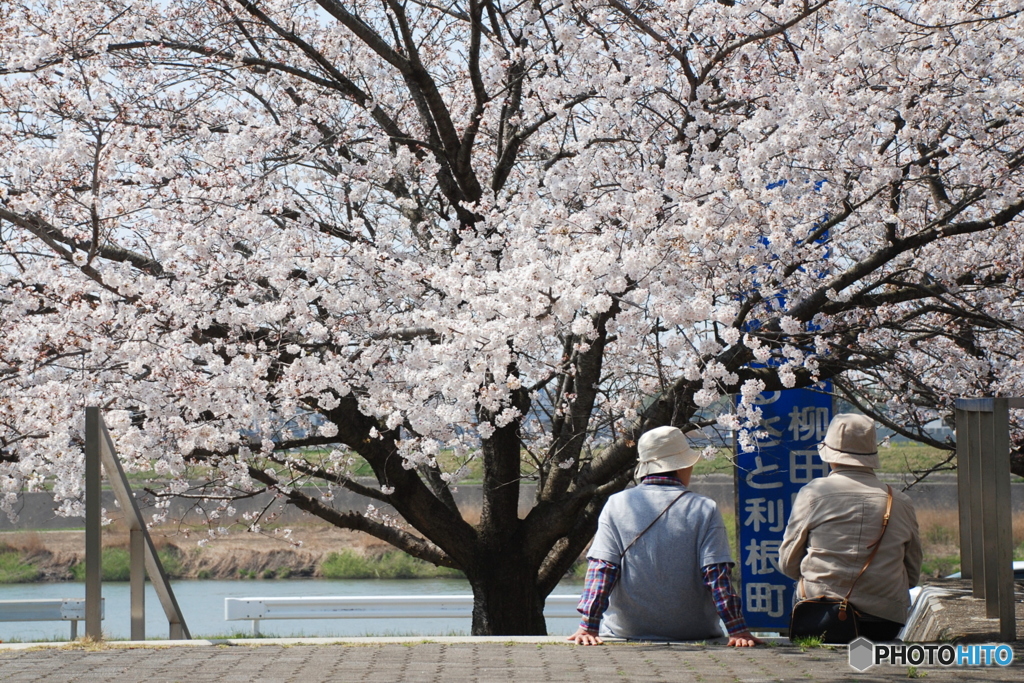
{"x": 229, "y": 557}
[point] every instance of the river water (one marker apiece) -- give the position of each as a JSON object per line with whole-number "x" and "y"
{"x": 202, "y": 604}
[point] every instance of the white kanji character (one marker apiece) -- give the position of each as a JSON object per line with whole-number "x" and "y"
{"x": 809, "y": 423}
{"x": 762, "y": 469}
{"x": 755, "y": 509}
{"x": 767, "y": 435}
{"x": 766, "y": 597}
{"x": 763, "y": 511}
{"x": 767, "y": 398}
{"x": 763, "y": 555}
{"x": 805, "y": 465}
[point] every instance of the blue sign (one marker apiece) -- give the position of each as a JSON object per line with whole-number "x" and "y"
{"x": 767, "y": 481}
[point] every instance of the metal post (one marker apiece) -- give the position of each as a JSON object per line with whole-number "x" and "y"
{"x": 137, "y": 576}
{"x": 963, "y": 491}
{"x": 157, "y": 575}
{"x": 989, "y": 538}
{"x": 986, "y": 534}
{"x": 1001, "y": 523}
{"x": 74, "y": 629}
{"x": 93, "y": 532}
{"x": 977, "y": 518}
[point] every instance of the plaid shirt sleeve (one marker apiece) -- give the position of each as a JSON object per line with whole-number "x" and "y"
{"x": 716, "y": 578}
{"x": 597, "y": 589}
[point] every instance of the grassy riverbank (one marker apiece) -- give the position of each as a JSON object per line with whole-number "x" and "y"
{"x": 309, "y": 552}
{"x": 15, "y": 568}
{"x": 319, "y": 552}
{"x": 18, "y": 567}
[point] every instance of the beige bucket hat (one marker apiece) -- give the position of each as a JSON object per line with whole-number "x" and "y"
{"x": 664, "y": 449}
{"x": 850, "y": 440}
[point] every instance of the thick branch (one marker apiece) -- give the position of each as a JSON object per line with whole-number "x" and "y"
{"x": 415, "y": 546}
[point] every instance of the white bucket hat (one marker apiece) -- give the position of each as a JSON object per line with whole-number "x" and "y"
{"x": 664, "y": 449}
{"x": 850, "y": 440}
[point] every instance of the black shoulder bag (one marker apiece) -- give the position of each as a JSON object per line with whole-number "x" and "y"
{"x": 833, "y": 619}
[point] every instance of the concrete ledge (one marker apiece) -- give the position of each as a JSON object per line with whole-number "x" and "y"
{"x": 925, "y": 624}
{"x": 946, "y": 611}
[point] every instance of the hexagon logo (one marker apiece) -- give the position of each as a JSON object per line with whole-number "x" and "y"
{"x": 862, "y": 654}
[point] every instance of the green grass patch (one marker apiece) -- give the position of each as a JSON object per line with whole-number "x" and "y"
{"x": 722, "y": 463}
{"x": 170, "y": 558}
{"x": 941, "y": 535}
{"x": 899, "y": 458}
{"x": 349, "y": 564}
{"x": 729, "y": 517}
{"x": 234, "y": 635}
{"x": 13, "y": 569}
{"x": 938, "y": 567}
{"x": 117, "y": 564}
{"x": 809, "y": 642}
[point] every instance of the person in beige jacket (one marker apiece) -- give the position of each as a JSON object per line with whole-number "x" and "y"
{"x": 834, "y": 524}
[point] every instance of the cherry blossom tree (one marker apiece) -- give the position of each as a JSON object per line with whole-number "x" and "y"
{"x": 274, "y": 239}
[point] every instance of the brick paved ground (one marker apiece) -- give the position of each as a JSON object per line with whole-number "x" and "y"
{"x": 465, "y": 660}
{"x": 480, "y": 660}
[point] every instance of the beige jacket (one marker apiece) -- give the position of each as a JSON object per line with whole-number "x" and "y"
{"x": 834, "y": 520}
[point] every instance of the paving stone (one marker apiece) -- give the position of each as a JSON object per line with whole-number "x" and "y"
{"x": 469, "y": 660}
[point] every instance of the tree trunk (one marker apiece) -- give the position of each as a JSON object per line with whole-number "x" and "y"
{"x": 506, "y": 601}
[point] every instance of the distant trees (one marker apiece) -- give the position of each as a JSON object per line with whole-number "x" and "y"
{"x": 425, "y": 234}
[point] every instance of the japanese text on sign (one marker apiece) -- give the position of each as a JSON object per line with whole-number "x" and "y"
{"x": 767, "y": 480}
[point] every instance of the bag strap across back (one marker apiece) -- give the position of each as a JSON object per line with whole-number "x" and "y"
{"x": 655, "y": 521}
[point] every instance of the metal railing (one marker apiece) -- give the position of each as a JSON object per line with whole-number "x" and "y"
{"x": 373, "y": 607}
{"x": 99, "y": 450}
{"x": 983, "y": 487}
{"x": 52, "y": 609}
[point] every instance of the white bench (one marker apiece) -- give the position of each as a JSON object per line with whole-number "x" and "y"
{"x": 55, "y": 609}
{"x": 373, "y": 607}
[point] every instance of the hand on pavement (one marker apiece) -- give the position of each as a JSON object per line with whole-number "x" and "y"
{"x": 744, "y": 639}
{"x": 585, "y": 637}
